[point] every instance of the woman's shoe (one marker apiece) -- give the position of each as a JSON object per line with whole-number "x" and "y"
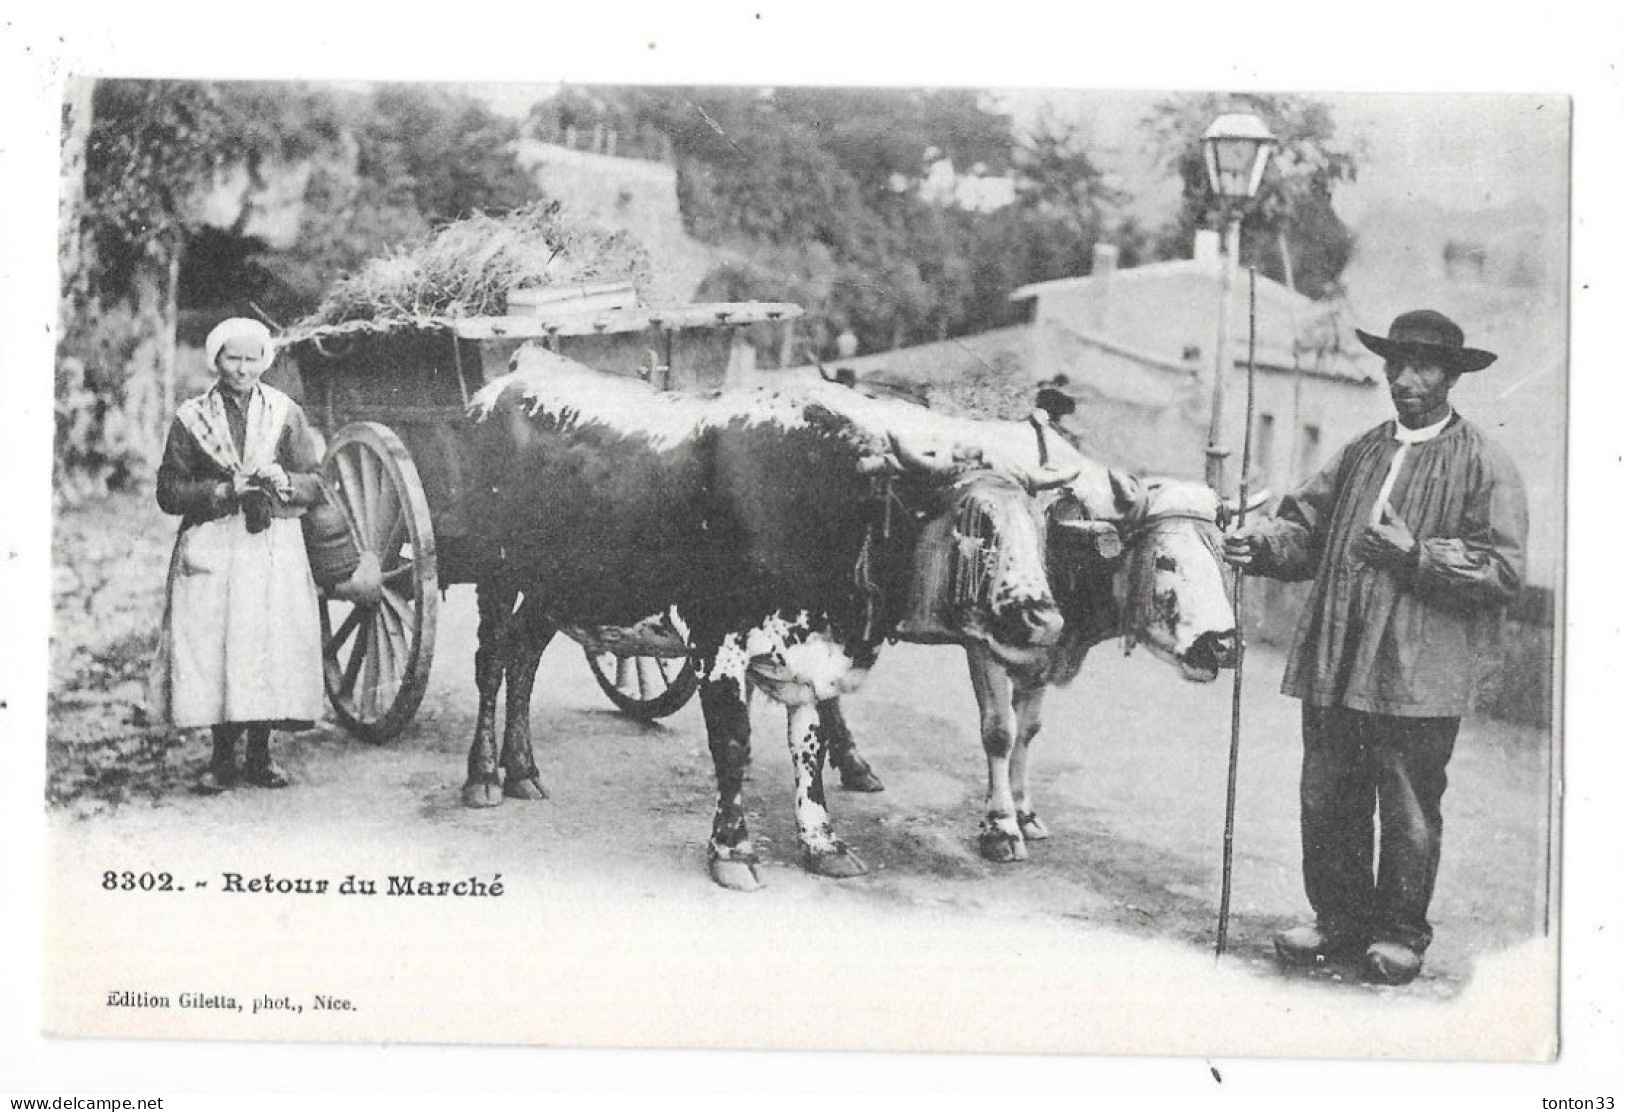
{"x": 266, "y": 775}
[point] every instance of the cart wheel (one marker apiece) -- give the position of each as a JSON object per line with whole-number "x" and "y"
{"x": 646, "y": 687}
{"x": 378, "y": 627}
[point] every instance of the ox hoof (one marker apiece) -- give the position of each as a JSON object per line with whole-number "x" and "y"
{"x": 1001, "y": 847}
{"x": 526, "y": 787}
{"x": 841, "y": 864}
{"x": 859, "y": 777}
{"x": 480, "y": 793}
{"x": 737, "y": 874}
{"x": 1032, "y": 827}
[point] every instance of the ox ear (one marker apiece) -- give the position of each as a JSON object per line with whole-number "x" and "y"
{"x": 1128, "y": 493}
{"x": 1230, "y": 508}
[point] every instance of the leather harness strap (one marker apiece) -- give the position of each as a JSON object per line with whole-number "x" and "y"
{"x": 1038, "y": 424}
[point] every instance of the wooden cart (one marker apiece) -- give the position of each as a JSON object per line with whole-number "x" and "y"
{"x": 391, "y": 398}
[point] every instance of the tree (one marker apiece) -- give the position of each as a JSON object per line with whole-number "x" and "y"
{"x": 1055, "y": 176}
{"x": 152, "y": 147}
{"x": 448, "y": 150}
{"x": 1295, "y": 202}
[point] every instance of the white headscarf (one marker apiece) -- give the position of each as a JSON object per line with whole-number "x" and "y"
{"x": 240, "y": 328}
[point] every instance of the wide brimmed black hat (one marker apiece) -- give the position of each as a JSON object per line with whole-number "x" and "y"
{"x": 1428, "y": 335}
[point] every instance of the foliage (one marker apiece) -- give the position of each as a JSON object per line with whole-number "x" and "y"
{"x": 820, "y": 189}
{"x": 468, "y": 267}
{"x": 96, "y": 447}
{"x": 153, "y": 145}
{"x": 446, "y": 150}
{"x": 1295, "y": 199}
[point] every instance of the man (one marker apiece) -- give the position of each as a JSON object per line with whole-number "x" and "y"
{"x": 1414, "y": 536}
{"x": 1054, "y": 401}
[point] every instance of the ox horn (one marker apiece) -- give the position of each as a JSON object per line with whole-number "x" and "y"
{"x": 1048, "y": 478}
{"x": 1230, "y": 508}
{"x": 928, "y": 462}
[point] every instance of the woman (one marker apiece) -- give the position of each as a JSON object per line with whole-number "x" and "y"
{"x": 241, "y": 643}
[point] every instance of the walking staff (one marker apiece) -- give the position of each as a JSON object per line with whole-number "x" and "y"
{"x": 1241, "y": 632}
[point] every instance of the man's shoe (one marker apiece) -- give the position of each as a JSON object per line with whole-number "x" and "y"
{"x": 1309, "y": 945}
{"x": 1392, "y": 963}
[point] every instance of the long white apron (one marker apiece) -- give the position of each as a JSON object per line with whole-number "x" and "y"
{"x": 242, "y": 636}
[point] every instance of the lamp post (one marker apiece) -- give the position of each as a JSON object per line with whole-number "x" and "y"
{"x": 1236, "y": 149}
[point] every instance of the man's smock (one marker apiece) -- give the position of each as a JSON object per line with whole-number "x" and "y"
{"x": 1406, "y": 642}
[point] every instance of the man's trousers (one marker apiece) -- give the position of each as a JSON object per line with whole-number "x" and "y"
{"x": 1363, "y": 773}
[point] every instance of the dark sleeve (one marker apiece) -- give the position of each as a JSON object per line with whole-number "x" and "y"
{"x": 301, "y": 457}
{"x": 1484, "y": 566}
{"x": 188, "y": 480}
{"x": 1294, "y": 537}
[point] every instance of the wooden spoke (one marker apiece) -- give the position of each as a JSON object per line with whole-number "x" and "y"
{"x": 346, "y": 627}
{"x": 398, "y": 606}
{"x": 357, "y": 656}
{"x": 354, "y": 491}
{"x": 372, "y": 495}
{"x": 390, "y": 528}
{"x": 367, "y": 701}
{"x": 384, "y": 679}
{"x": 650, "y": 681}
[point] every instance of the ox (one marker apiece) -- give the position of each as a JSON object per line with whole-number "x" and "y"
{"x": 1166, "y": 589}
{"x": 776, "y": 532}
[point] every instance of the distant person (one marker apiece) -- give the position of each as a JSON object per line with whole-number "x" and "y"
{"x": 1053, "y": 402}
{"x": 240, "y": 649}
{"x": 1414, "y": 535}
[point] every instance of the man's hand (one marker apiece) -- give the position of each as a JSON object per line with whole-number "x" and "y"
{"x": 1242, "y": 543}
{"x": 241, "y": 484}
{"x": 1388, "y": 545}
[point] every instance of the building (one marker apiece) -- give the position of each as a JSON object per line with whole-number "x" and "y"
{"x": 1138, "y": 347}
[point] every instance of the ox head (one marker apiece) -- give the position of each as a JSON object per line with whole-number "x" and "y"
{"x": 1173, "y": 586}
{"x": 979, "y": 568}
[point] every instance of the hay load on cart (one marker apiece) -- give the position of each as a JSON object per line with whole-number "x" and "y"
{"x": 386, "y": 367}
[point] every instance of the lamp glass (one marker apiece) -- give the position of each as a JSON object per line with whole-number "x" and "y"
{"x": 1236, "y": 148}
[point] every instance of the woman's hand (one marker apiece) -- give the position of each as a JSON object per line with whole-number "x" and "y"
{"x": 274, "y": 477}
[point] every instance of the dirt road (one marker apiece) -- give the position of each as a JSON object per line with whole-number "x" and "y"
{"x": 1130, "y": 772}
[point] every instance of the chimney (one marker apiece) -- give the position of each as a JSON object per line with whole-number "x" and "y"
{"x": 1207, "y": 248}
{"x": 1105, "y": 259}
{"x": 1100, "y": 288}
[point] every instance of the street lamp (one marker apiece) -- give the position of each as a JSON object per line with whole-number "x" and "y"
{"x": 1235, "y": 148}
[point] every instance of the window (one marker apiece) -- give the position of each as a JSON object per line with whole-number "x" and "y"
{"x": 1264, "y": 446}
{"x": 1309, "y": 451}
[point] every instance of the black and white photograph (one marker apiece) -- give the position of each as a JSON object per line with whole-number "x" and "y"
{"x": 861, "y": 564}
